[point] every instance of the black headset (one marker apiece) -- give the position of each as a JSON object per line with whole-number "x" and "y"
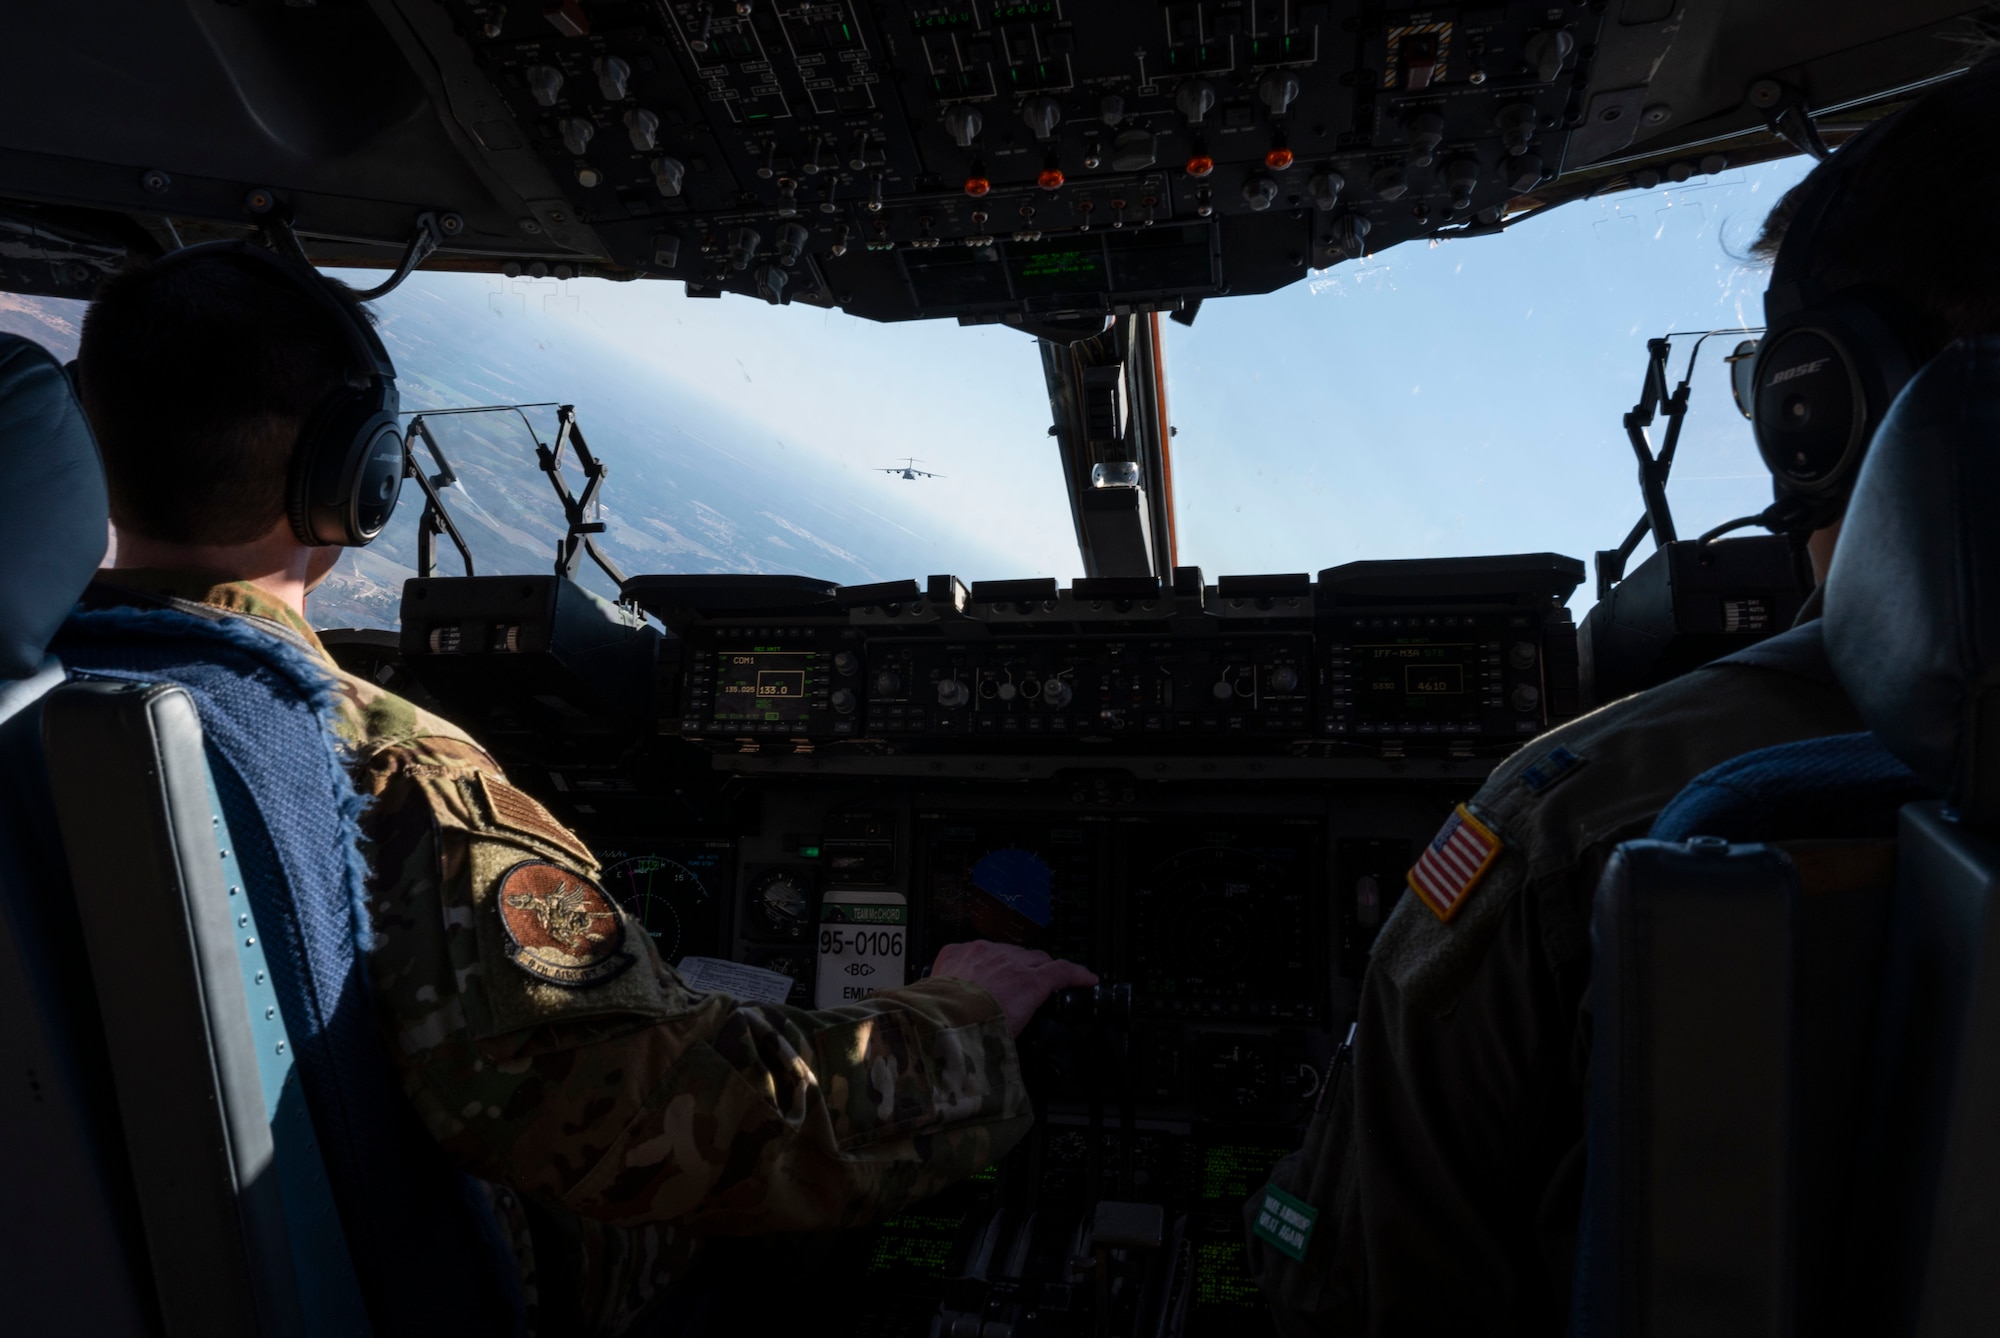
{"x": 347, "y": 467}
{"x": 1830, "y": 363}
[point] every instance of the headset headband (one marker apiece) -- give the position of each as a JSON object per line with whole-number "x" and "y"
{"x": 369, "y": 359}
{"x": 1792, "y": 286}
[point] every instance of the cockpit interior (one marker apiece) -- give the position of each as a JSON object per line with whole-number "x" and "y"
{"x": 1207, "y": 787}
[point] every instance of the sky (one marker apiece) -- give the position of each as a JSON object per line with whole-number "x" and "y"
{"x": 1430, "y": 401}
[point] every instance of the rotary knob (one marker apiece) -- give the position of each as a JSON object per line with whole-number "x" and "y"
{"x": 951, "y": 692}
{"x": 1426, "y": 133}
{"x": 1042, "y": 113}
{"x": 545, "y": 84}
{"x": 844, "y": 701}
{"x": 668, "y": 174}
{"x": 1526, "y": 697}
{"x": 1195, "y": 98}
{"x": 845, "y": 662}
{"x": 1284, "y": 678}
{"x": 1007, "y": 692}
{"x": 642, "y": 128}
{"x": 1278, "y": 89}
{"x": 1223, "y": 690}
{"x": 888, "y": 683}
{"x": 1056, "y": 693}
{"x": 613, "y": 77}
{"x": 1522, "y": 655}
{"x": 577, "y": 134}
{"x": 1259, "y": 192}
{"x": 964, "y": 124}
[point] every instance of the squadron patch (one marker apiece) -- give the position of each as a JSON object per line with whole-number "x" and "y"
{"x": 1454, "y": 862}
{"x": 560, "y": 926}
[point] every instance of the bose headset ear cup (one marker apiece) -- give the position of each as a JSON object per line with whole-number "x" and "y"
{"x": 1825, "y": 377}
{"x": 347, "y": 470}
{"x": 1829, "y": 364}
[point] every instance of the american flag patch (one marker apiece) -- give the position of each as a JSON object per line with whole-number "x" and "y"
{"x": 1453, "y": 863}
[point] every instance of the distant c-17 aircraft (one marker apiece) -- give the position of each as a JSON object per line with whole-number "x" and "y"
{"x": 908, "y": 469}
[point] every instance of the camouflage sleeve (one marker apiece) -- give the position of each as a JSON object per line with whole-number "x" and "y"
{"x": 548, "y": 1048}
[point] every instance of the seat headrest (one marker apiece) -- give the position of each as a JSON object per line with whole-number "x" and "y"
{"x": 53, "y": 511}
{"x": 1913, "y": 599}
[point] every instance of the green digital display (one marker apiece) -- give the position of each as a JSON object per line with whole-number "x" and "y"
{"x": 1051, "y": 264}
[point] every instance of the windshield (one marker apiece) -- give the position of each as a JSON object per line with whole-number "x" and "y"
{"x": 1455, "y": 399}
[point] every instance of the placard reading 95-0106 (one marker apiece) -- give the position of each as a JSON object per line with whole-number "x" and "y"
{"x": 862, "y": 940}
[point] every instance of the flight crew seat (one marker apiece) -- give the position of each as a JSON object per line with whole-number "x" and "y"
{"x": 71, "y": 1257}
{"x": 211, "y": 1139}
{"x": 1796, "y": 1063}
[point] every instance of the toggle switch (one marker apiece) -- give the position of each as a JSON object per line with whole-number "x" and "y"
{"x": 1516, "y": 123}
{"x": 1461, "y": 176}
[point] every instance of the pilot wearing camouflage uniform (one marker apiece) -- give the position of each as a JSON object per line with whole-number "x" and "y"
{"x": 1440, "y": 1183}
{"x": 615, "y": 1113}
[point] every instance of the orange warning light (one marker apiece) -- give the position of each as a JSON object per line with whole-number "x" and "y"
{"x": 1200, "y": 165}
{"x": 977, "y": 186}
{"x": 1278, "y": 159}
{"x": 1050, "y": 179}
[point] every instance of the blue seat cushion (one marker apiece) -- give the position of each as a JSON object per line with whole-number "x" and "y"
{"x": 1844, "y": 785}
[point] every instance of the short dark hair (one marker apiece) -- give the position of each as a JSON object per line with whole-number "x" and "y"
{"x": 197, "y": 378}
{"x": 1920, "y": 184}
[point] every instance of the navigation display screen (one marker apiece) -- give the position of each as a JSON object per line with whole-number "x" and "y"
{"x": 1423, "y": 680}
{"x": 764, "y": 685}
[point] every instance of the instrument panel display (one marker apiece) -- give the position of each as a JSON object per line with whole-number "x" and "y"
{"x": 1465, "y": 675}
{"x": 764, "y": 685}
{"x": 676, "y": 890}
{"x": 1224, "y": 923}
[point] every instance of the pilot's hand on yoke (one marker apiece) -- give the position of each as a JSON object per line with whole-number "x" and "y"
{"x": 1021, "y": 979}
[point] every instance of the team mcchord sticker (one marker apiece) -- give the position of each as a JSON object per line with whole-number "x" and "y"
{"x": 560, "y": 926}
